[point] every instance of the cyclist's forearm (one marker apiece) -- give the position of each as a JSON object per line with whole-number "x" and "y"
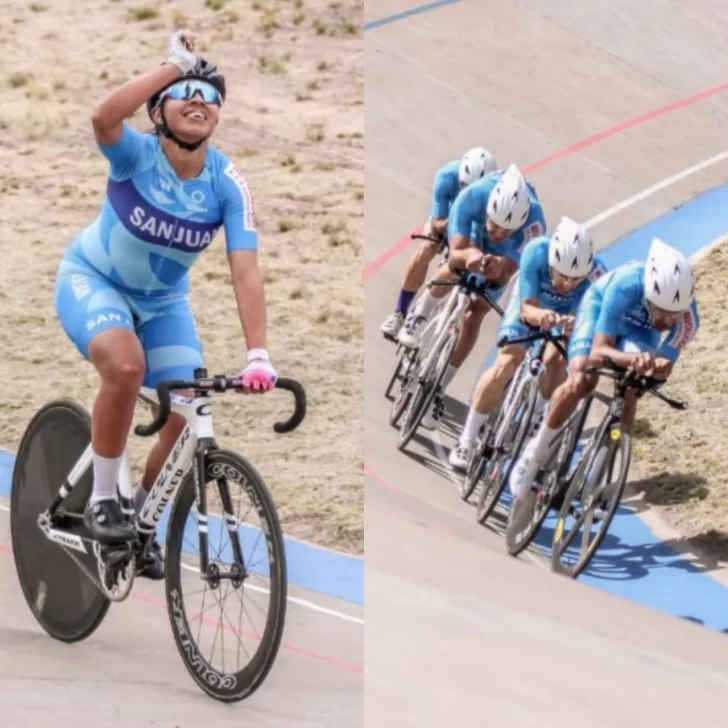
{"x": 250, "y": 298}
{"x": 458, "y": 258}
{"x": 531, "y": 314}
{"x": 123, "y": 101}
{"x": 604, "y": 351}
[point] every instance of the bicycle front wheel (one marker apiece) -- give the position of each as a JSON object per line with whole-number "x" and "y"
{"x": 588, "y": 505}
{"x": 424, "y": 392}
{"x": 261, "y": 577}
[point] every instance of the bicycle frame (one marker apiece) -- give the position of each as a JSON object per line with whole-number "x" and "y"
{"x": 196, "y": 438}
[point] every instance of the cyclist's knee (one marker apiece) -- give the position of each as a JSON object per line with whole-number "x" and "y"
{"x": 119, "y": 359}
{"x": 427, "y": 251}
{"x": 476, "y": 313}
{"x": 509, "y": 359}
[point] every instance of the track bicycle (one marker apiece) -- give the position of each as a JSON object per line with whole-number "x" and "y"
{"x": 528, "y": 512}
{"x": 499, "y": 446}
{"x": 403, "y": 353}
{"x": 592, "y": 498}
{"x": 433, "y": 354}
{"x": 69, "y": 580}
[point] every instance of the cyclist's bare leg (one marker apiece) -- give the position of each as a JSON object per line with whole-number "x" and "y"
{"x": 118, "y": 358}
{"x": 469, "y": 331}
{"x": 567, "y": 396}
{"x": 489, "y": 392}
{"x": 416, "y": 270}
{"x": 491, "y": 384}
{"x": 554, "y": 374}
{"x": 162, "y": 447}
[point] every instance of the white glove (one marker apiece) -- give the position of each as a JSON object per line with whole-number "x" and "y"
{"x": 179, "y": 54}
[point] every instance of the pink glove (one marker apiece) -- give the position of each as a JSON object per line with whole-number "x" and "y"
{"x": 258, "y": 375}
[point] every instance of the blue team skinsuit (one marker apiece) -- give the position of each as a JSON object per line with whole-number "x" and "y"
{"x": 534, "y": 282}
{"x": 445, "y": 189}
{"x": 129, "y": 267}
{"x": 467, "y": 218}
{"x": 615, "y": 306}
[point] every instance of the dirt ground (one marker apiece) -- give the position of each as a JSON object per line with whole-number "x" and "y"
{"x": 680, "y": 459}
{"x": 294, "y": 124}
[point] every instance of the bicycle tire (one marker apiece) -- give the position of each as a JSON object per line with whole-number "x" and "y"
{"x": 399, "y": 404}
{"x": 624, "y": 447}
{"x": 414, "y": 415}
{"x": 473, "y": 474}
{"x": 394, "y": 376}
{"x": 230, "y": 687}
{"x": 61, "y": 597}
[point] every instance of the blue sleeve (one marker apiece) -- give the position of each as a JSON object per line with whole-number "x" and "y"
{"x": 238, "y": 211}
{"x": 442, "y": 195}
{"x": 616, "y": 303}
{"x": 126, "y": 154}
{"x": 528, "y": 278}
{"x": 464, "y": 214}
{"x": 681, "y": 334}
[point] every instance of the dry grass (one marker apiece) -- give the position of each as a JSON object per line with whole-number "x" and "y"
{"x": 54, "y": 182}
{"x": 680, "y": 460}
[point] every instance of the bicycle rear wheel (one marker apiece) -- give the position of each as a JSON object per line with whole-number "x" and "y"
{"x": 264, "y": 560}
{"x": 62, "y": 598}
{"x": 582, "y": 502}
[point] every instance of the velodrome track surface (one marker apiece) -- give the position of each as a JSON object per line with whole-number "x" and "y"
{"x": 456, "y": 629}
{"x": 129, "y": 673}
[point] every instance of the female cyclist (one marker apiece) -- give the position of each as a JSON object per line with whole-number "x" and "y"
{"x": 122, "y": 286}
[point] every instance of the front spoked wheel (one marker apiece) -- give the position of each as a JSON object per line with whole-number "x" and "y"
{"x": 506, "y": 452}
{"x": 424, "y": 392}
{"x": 590, "y": 503}
{"x": 230, "y": 654}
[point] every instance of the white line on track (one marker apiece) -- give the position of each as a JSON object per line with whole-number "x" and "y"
{"x": 294, "y": 600}
{"x": 649, "y": 191}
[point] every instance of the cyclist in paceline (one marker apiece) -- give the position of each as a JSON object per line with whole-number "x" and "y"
{"x": 490, "y": 222}
{"x": 554, "y": 275}
{"x": 122, "y": 285}
{"x": 450, "y": 179}
{"x": 623, "y": 316}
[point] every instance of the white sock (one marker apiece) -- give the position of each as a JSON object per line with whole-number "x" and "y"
{"x": 140, "y": 497}
{"x": 472, "y": 426}
{"x": 449, "y": 375}
{"x": 106, "y": 474}
{"x": 427, "y": 304}
{"x": 539, "y": 446}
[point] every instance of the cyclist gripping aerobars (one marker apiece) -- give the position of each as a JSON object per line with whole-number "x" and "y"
{"x": 122, "y": 285}
{"x": 623, "y": 317}
{"x": 489, "y": 223}
{"x": 553, "y": 277}
{"x": 449, "y": 181}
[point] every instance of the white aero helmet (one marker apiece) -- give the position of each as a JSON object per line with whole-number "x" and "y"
{"x": 571, "y": 250}
{"x": 476, "y": 163}
{"x": 509, "y": 202}
{"x": 669, "y": 282}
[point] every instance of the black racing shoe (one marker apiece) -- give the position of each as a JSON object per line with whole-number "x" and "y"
{"x": 107, "y": 523}
{"x": 151, "y": 561}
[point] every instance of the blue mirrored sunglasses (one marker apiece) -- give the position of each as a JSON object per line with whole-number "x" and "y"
{"x": 185, "y": 90}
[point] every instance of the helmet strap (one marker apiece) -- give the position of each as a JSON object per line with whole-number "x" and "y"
{"x": 164, "y": 129}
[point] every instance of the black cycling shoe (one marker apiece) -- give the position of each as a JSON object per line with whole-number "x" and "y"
{"x": 106, "y": 522}
{"x": 151, "y": 561}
